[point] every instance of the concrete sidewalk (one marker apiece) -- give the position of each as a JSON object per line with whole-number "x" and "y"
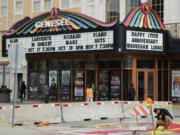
{"x": 176, "y": 110}
{"x": 103, "y": 127}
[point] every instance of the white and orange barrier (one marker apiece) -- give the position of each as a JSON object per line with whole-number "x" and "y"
{"x": 141, "y": 110}
{"x": 128, "y": 106}
{"x": 78, "y": 111}
{"x": 91, "y": 110}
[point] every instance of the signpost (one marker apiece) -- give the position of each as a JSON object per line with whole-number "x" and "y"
{"x": 149, "y": 101}
{"x": 16, "y": 56}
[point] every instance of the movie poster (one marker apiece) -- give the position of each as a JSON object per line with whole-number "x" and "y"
{"x": 115, "y": 84}
{"x": 79, "y": 83}
{"x": 103, "y": 85}
{"x": 52, "y": 78}
{"x": 42, "y": 82}
{"x": 175, "y": 83}
{"x": 53, "y": 85}
{"x": 33, "y": 82}
{"x": 37, "y": 83}
{"x": 103, "y": 76}
{"x": 65, "y": 85}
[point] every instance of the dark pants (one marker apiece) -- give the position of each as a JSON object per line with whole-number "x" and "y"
{"x": 23, "y": 95}
{"x": 46, "y": 98}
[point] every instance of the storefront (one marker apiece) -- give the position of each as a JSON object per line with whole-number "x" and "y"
{"x": 70, "y": 51}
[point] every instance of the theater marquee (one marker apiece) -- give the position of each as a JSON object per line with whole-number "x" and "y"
{"x": 148, "y": 41}
{"x": 86, "y": 41}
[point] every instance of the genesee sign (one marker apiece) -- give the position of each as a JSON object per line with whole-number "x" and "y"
{"x": 138, "y": 40}
{"x": 52, "y": 23}
{"x": 87, "y": 41}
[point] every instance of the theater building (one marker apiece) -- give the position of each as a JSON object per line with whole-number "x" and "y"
{"x": 70, "y": 51}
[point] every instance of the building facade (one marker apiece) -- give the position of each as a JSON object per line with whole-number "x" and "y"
{"x": 70, "y": 51}
{"x": 107, "y": 10}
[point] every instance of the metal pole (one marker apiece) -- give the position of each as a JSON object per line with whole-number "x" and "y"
{"x": 152, "y": 119}
{"x": 62, "y": 117}
{"x": 15, "y": 79}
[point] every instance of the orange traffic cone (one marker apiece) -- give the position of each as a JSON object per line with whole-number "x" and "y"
{"x": 43, "y": 123}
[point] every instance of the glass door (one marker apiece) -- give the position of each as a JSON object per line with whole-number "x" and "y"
{"x": 145, "y": 84}
{"x": 141, "y": 85}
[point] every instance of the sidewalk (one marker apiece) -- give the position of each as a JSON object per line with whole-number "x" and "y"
{"x": 103, "y": 127}
{"x": 176, "y": 110}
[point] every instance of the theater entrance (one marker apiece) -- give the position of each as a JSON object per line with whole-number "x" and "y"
{"x": 145, "y": 84}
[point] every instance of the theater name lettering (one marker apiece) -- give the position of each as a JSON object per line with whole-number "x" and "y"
{"x": 52, "y": 23}
{"x": 87, "y": 41}
{"x": 138, "y": 40}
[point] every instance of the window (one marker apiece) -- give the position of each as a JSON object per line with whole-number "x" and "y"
{"x": 47, "y": 4}
{"x": 65, "y": 3}
{"x": 65, "y": 64}
{"x": 37, "y": 65}
{"x": 145, "y": 64}
{"x": 175, "y": 63}
{"x": 76, "y": 3}
{"x": 112, "y": 10}
{"x": 19, "y": 4}
{"x": 53, "y": 64}
{"x": 157, "y": 5}
{"x": 3, "y": 7}
{"x": 37, "y": 5}
{"x": 4, "y": 75}
{"x": 109, "y": 63}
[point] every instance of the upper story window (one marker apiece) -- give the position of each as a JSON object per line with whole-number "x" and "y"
{"x": 65, "y": 3}
{"x": 19, "y": 4}
{"x": 37, "y": 5}
{"x": 157, "y": 5}
{"x": 47, "y": 4}
{"x": 3, "y": 7}
{"x": 112, "y": 10}
{"x": 76, "y": 3}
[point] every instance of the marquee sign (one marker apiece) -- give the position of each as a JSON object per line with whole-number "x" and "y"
{"x": 53, "y": 23}
{"x": 55, "y": 20}
{"x": 148, "y": 41}
{"x": 86, "y": 41}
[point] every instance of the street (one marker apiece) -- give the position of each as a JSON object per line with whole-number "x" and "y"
{"x": 102, "y": 127}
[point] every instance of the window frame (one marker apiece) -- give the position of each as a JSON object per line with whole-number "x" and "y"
{"x": 15, "y": 5}
{"x": 4, "y": 73}
{"x": 61, "y": 4}
{"x": 33, "y": 6}
{"x": 4, "y": 6}
{"x": 45, "y": 8}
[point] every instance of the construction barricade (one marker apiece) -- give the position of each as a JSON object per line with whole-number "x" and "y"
{"x": 141, "y": 120}
{"x": 5, "y": 114}
{"x": 78, "y": 111}
{"x": 127, "y": 107}
{"x": 30, "y": 114}
{"x": 91, "y": 111}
